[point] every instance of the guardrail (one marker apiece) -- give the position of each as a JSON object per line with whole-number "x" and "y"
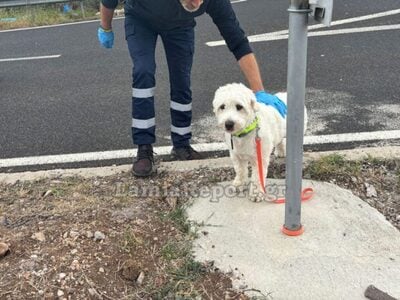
{"x": 14, "y": 3}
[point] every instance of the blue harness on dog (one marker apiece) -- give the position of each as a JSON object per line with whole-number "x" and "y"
{"x": 274, "y": 101}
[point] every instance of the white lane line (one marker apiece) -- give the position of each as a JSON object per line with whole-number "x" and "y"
{"x": 355, "y": 30}
{"x": 29, "y": 58}
{"x": 381, "y": 135}
{"x": 335, "y": 23}
{"x": 361, "y": 18}
{"x": 259, "y": 37}
{"x": 330, "y": 32}
{"x": 237, "y": 1}
{"x": 315, "y": 33}
{"x": 56, "y": 25}
{"x": 129, "y": 153}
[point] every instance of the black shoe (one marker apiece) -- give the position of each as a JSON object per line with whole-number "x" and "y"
{"x": 185, "y": 153}
{"x": 144, "y": 163}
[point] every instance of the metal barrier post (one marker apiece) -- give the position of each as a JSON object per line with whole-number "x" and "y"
{"x": 296, "y": 88}
{"x": 83, "y": 10}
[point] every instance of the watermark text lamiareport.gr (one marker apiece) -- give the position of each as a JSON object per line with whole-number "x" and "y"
{"x": 213, "y": 193}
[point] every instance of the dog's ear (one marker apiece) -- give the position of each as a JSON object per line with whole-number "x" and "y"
{"x": 214, "y": 106}
{"x": 254, "y": 104}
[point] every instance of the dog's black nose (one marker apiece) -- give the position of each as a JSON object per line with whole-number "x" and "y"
{"x": 229, "y": 125}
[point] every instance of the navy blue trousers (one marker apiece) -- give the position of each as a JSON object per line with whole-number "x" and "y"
{"x": 179, "y": 50}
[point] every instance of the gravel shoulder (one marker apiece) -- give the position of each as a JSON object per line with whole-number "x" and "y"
{"x": 119, "y": 237}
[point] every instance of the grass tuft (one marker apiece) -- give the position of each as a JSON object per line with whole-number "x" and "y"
{"x": 178, "y": 216}
{"x": 175, "y": 250}
{"x": 325, "y": 167}
{"x": 130, "y": 242}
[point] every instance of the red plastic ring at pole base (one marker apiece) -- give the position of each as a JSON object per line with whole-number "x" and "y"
{"x": 293, "y": 232}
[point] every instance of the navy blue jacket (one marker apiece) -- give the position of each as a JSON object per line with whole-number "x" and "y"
{"x": 169, "y": 14}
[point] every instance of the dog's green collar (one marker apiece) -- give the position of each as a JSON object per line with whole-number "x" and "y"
{"x": 247, "y": 129}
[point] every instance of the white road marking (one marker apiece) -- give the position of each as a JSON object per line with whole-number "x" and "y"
{"x": 335, "y": 23}
{"x": 315, "y": 33}
{"x": 237, "y": 1}
{"x": 29, "y": 58}
{"x": 129, "y": 153}
{"x": 285, "y": 32}
{"x": 381, "y": 135}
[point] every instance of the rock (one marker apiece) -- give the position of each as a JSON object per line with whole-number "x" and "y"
{"x": 4, "y": 249}
{"x": 89, "y": 234}
{"x": 4, "y": 221}
{"x": 60, "y": 293}
{"x": 74, "y": 251}
{"x": 39, "y": 236}
{"x": 47, "y": 193}
{"x": 98, "y": 236}
{"x": 370, "y": 190}
{"x": 130, "y": 270}
{"x": 75, "y": 265}
{"x": 95, "y": 294}
{"x": 140, "y": 278}
{"x": 101, "y": 270}
{"x": 74, "y": 234}
{"x": 374, "y": 293}
{"x": 62, "y": 276}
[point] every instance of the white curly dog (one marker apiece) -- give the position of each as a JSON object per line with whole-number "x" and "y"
{"x": 242, "y": 117}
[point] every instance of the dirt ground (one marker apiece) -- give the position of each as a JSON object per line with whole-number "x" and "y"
{"x": 120, "y": 237}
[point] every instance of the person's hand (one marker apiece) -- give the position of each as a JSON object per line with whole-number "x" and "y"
{"x": 272, "y": 100}
{"x": 106, "y": 37}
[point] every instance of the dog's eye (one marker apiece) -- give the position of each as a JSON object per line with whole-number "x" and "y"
{"x": 222, "y": 107}
{"x": 239, "y": 107}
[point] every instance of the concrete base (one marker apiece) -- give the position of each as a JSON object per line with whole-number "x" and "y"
{"x": 346, "y": 246}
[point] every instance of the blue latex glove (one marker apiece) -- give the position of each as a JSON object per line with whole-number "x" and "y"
{"x": 268, "y": 99}
{"x": 106, "y": 37}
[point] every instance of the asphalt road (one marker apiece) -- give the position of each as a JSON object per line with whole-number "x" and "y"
{"x": 81, "y": 101}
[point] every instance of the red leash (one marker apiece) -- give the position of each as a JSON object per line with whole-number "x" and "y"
{"x": 306, "y": 193}
{"x": 260, "y": 162}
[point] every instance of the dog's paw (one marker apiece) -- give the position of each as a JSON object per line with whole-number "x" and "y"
{"x": 239, "y": 185}
{"x": 257, "y": 197}
{"x": 257, "y": 194}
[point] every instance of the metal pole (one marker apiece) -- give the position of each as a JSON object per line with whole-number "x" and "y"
{"x": 296, "y": 87}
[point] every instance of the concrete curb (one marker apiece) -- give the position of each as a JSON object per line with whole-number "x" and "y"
{"x": 389, "y": 152}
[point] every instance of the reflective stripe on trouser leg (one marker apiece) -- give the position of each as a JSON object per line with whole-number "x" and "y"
{"x": 179, "y": 48}
{"x": 141, "y": 44}
{"x": 143, "y": 121}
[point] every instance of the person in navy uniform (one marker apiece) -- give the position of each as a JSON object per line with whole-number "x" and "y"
{"x": 174, "y": 22}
